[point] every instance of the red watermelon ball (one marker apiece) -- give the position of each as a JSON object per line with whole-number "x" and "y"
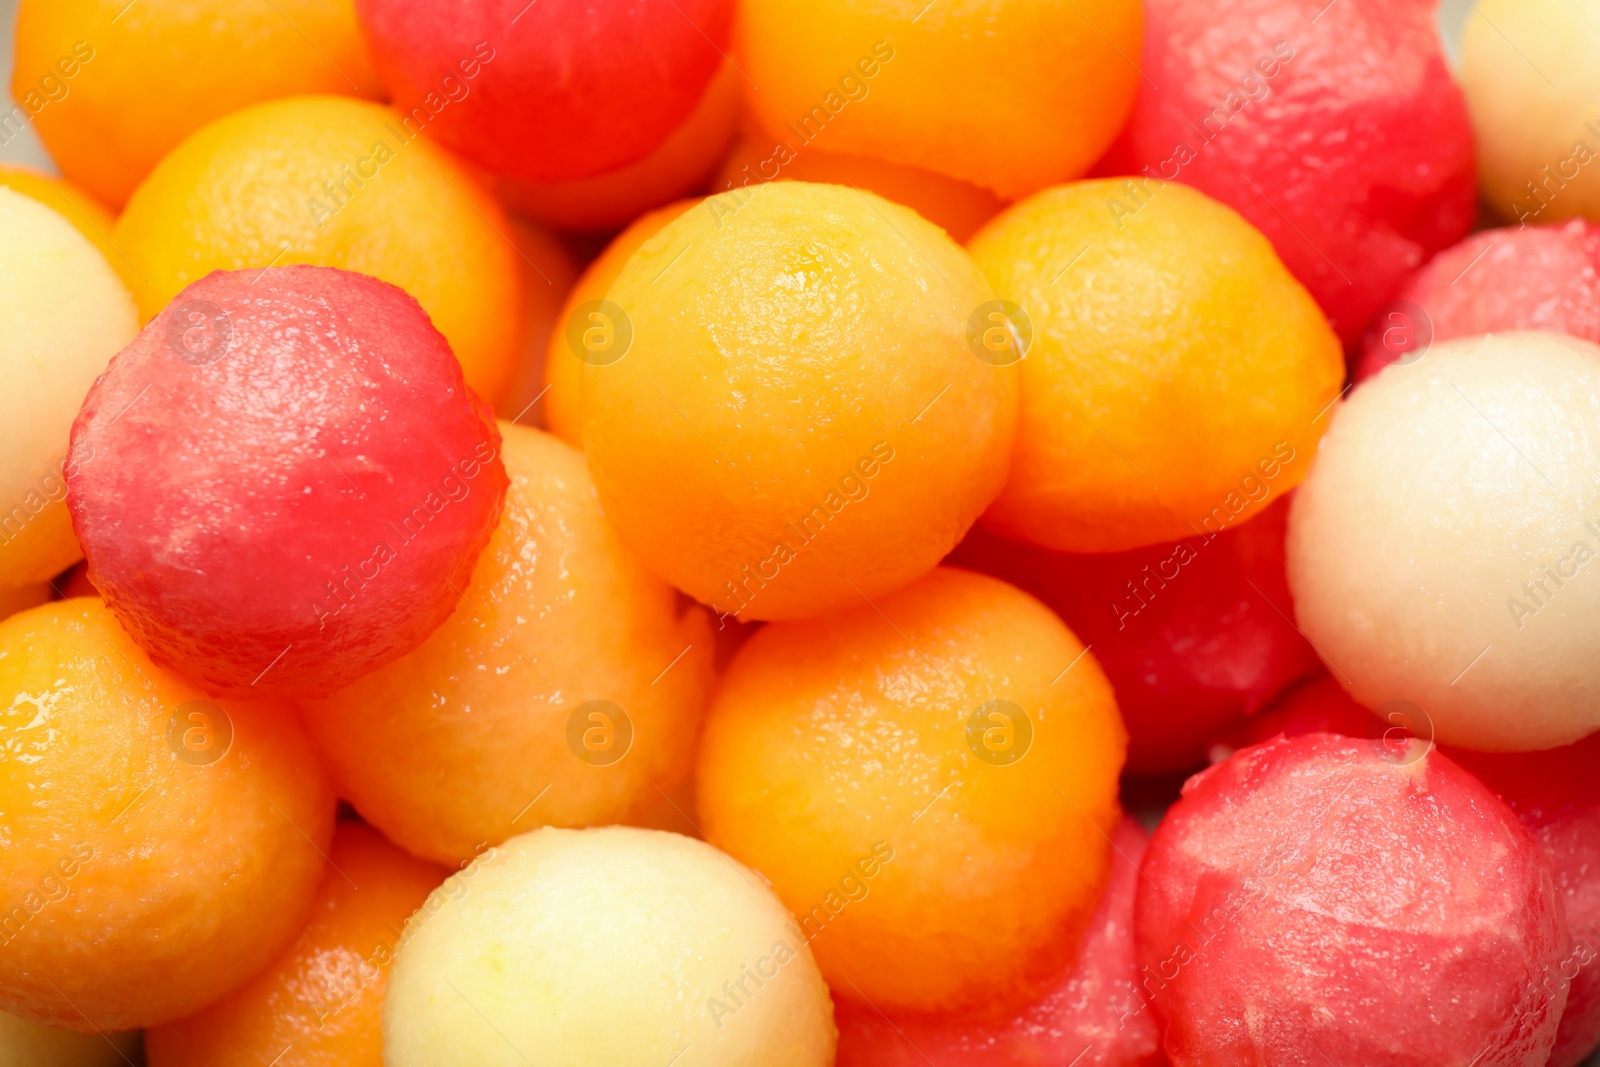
{"x": 1325, "y": 899}
{"x": 548, "y": 91}
{"x": 1335, "y": 129}
{"x": 284, "y": 482}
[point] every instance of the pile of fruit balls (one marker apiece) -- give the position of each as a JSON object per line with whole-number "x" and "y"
{"x": 773, "y": 533}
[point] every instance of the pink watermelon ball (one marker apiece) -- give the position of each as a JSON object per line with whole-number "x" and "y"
{"x": 1194, "y": 635}
{"x": 1324, "y": 899}
{"x": 1317, "y": 705}
{"x": 1093, "y": 1016}
{"x": 284, "y": 482}
{"x": 1335, "y": 129}
{"x": 1534, "y": 278}
{"x": 548, "y": 91}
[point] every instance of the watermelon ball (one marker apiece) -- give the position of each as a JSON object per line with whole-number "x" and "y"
{"x": 1335, "y": 129}
{"x": 548, "y": 91}
{"x": 1517, "y": 278}
{"x": 1331, "y": 900}
{"x": 1092, "y": 1015}
{"x": 1194, "y": 635}
{"x": 291, "y": 481}
{"x": 1318, "y": 705}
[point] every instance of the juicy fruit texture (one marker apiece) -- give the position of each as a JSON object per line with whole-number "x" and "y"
{"x": 1335, "y": 129}
{"x": 550, "y": 92}
{"x": 1440, "y": 550}
{"x": 160, "y": 848}
{"x": 335, "y": 182}
{"x": 858, "y": 761}
{"x": 798, "y": 373}
{"x": 1534, "y": 278}
{"x": 1528, "y": 70}
{"x": 609, "y": 946}
{"x": 1092, "y": 1015}
{"x": 566, "y": 689}
{"x": 677, "y": 168}
{"x": 1193, "y": 635}
{"x": 321, "y": 1003}
{"x": 290, "y": 482}
{"x": 63, "y": 315}
{"x": 114, "y": 87}
{"x": 27, "y": 1044}
{"x": 957, "y": 206}
{"x": 87, "y": 215}
{"x": 1009, "y": 95}
{"x": 1176, "y": 373}
{"x": 1296, "y": 888}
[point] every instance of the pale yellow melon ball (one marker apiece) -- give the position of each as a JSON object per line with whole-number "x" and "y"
{"x": 28, "y": 1044}
{"x": 616, "y": 947}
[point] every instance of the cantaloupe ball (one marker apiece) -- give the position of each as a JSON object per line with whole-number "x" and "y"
{"x": 593, "y": 948}
{"x": 27, "y": 1044}
{"x": 1011, "y": 95}
{"x": 1533, "y": 89}
{"x": 161, "y": 848}
{"x": 930, "y": 784}
{"x": 1442, "y": 550}
{"x": 566, "y": 688}
{"x": 780, "y": 375}
{"x": 63, "y": 315}
{"x": 1176, "y": 374}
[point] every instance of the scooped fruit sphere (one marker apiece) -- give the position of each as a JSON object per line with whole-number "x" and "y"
{"x": 335, "y": 182}
{"x": 566, "y": 689}
{"x": 1320, "y": 705}
{"x": 1516, "y": 278}
{"x": 1092, "y": 1016}
{"x": 63, "y": 315}
{"x": 27, "y": 1044}
{"x": 293, "y": 482}
{"x": 1440, "y": 551}
{"x": 1336, "y": 129}
{"x": 1176, "y": 377}
{"x": 608, "y": 946}
{"x": 113, "y": 87}
{"x": 930, "y": 784}
{"x": 1194, "y": 635}
{"x": 161, "y": 848}
{"x": 1323, "y": 899}
{"x": 321, "y": 1003}
{"x": 87, "y": 215}
{"x": 553, "y": 91}
{"x": 780, "y": 376}
{"x": 1528, "y": 70}
{"x": 1009, "y": 95}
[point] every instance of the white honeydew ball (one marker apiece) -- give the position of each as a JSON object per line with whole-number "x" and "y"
{"x": 614, "y": 947}
{"x": 1445, "y": 549}
{"x": 27, "y": 1044}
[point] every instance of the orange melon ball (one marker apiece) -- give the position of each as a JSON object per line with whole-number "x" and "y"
{"x": 335, "y": 182}
{"x": 1011, "y": 95}
{"x": 321, "y": 1003}
{"x": 929, "y": 782}
{"x": 548, "y": 272}
{"x": 87, "y": 215}
{"x": 161, "y": 847}
{"x": 957, "y": 206}
{"x": 678, "y": 167}
{"x": 113, "y": 86}
{"x": 1177, "y": 378}
{"x": 565, "y": 690}
{"x": 776, "y": 379}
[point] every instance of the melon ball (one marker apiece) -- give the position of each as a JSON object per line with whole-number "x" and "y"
{"x": 566, "y": 688}
{"x": 161, "y": 848}
{"x": 1092, "y": 1015}
{"x": 776, "y": 379}
{"x": 1175, "y": 375}
{"x": 1528, "y": 70}
{"x": 1319, "y": 705}
{"x": 1195, "y": 635}
{"x": 608, "y": 946}
{"x": 552, "y": 91}
{"x": 87, "y": 215}
{"x": 1324, "y": 899}
{"x": 930, "y": 784}
{"x": 290, "y": 484}
{"x": 63, "y": 315}
{"x": 27, "y": 1044}
{"x": 1440, "y": 551}
{"x": 1336, "y": 129}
